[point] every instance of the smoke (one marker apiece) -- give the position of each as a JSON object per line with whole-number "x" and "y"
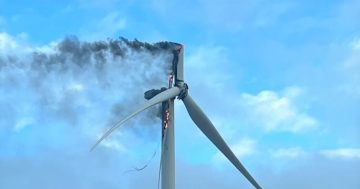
{"x": 55, "y": 101}
{"x": 79, "y": 84}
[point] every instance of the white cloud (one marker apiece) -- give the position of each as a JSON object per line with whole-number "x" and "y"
{"x": 107, "y": 26}
{"x": 353, "y": 61}
{"x": 113, "y": 144}
{"x": 287, "y": 152}
{"x": 344, "y": 153}
{"x": 7, "y": 42}
{"x": 283, "y": 110}
{"x": 356, "y": 44}
{"x": 276, "y": 112}
{"x": 78, "y": 87}
{"x": 208, "y": 58}
{"x": 112, "y": 22}
{"x": 22, "y": 123}
{"x": 243, "y": 148}
{"x": 17, "y": 44}
{"x": 351, "y": 70}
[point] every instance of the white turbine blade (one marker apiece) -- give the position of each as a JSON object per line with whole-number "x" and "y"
{"x": 165, "y": 95}
{"x": 205, "y": 125}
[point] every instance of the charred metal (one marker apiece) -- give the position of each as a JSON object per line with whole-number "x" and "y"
{"x": 153, "y": 92}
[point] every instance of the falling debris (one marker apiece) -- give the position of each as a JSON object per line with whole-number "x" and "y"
{"x": 144, "y": 166}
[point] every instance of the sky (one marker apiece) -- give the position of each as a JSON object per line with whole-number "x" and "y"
{"x": 279, "y": 79}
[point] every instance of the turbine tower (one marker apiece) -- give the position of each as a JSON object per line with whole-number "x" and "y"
{"x": 178, "y": 88}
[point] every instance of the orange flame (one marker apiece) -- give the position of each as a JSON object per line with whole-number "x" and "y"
{"x": 167, "y": 111}
{"x": 167, "y": 119}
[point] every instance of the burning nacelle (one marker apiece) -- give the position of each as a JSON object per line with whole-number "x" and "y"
{"x": 153, "y": 92}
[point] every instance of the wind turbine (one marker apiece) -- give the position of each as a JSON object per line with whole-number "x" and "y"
{"x": 179, "y": 89}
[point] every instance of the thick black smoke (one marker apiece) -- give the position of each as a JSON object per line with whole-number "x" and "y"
{"x": 79, "y": 83}
{"x": 55, "y": 101}
{"x": 71, "y": 50}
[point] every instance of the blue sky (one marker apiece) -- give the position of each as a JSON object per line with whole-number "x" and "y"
{"x": 279, "y": 79}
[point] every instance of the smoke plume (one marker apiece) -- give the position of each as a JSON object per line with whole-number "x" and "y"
{"x": 79, "y": 84}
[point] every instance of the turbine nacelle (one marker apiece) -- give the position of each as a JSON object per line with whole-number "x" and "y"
{"x": 153, "y": 92}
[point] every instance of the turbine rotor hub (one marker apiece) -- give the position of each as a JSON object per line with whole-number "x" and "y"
{"x": 184, "y": 90}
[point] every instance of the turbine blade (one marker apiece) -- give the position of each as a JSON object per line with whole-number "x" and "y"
{"x": 205, "y": 125}
{"x": 165, "y": 95}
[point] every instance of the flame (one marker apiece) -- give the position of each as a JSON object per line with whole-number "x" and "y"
{"x": 167, "y": 119}
{"x": 171, "y": 78}
{"x": 167, "y": 111}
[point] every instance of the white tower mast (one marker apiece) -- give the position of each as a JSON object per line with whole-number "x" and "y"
{"x": 168, "y": 142}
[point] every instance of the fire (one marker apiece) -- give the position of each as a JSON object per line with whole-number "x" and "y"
{"x": 167, "y": 119}
{"x": 167, "y": 111}
{"x": 171, "y": 78}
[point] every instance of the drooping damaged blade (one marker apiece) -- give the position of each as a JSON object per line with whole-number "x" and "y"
{"x": 205, "y": 125}
{"x": 165, "y": 95}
